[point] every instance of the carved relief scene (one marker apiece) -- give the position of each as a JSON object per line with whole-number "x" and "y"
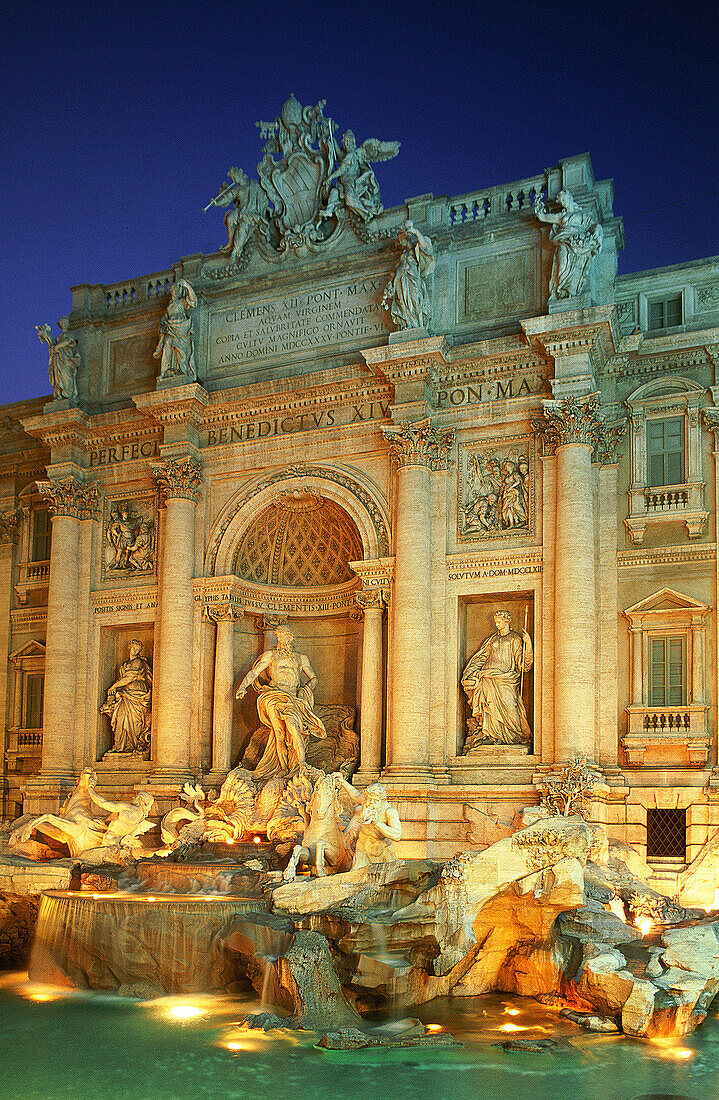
{"x": 496, "y": 488}
{"x": 129, "y": 538}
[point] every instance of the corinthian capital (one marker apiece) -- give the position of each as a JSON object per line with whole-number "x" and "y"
{"x": 609, "y": 436}
{"x": 223, "y": 612}
{"x": 372, "y": 598}
{"x": 710, "y": 416}
{"x": 570, "y": 420}
{"x": 69, "y": 497}
{"x": 419, "y": 444}
{"x": 9, "y": 518}
{"x": 178, "y": 477}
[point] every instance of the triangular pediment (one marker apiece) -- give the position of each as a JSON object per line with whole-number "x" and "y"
{"x": 666, "y": 599}
{"x": 30, "y": 649}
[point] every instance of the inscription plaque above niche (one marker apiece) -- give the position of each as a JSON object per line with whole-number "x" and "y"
{"x": 499, "y": 286}
{"x": 132, "y": 368}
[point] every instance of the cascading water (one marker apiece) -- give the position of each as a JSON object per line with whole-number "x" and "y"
{"x": 118, "y": 941}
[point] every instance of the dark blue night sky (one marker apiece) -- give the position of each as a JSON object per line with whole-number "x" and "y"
{"x": 119, "y": 121}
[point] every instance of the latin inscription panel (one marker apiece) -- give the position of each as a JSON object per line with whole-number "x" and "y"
{"x": 307, "y": 323}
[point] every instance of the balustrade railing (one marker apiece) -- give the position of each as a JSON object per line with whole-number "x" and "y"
{"x": 122, "y": 295}
{"x": 29, "y": 738}
{"x": 674, "y": 719}
{"x": 513, "y": 198}
{"x": 666, "y": 500}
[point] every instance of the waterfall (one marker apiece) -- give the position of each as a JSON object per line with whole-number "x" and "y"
{"x": 172, "y": 944}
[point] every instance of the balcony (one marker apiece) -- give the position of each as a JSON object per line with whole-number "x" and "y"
{"x": 31, "y": 576}
{"x": 667, "y": 736}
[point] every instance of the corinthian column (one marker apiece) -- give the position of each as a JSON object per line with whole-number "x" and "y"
{"x": 372, "y": 604}
{"x": 224, "y": 615}
{"x": 415, "y": 449}
{"x": 572, "y": 425}
{"x": 70, "y": 502}
{"x": 179, "y": 481}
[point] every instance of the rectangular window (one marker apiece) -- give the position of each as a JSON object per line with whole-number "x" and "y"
{"x": 41, "y": 535}
{"x": 34, "y": 697}
{"x": 668, "y": 672}
{"x": 665, "y": 451}
{"x": 665, "y": 313}
{"x": 666, "y": 834}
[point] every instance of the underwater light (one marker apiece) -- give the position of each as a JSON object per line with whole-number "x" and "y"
{"x": 185, "y": 1012}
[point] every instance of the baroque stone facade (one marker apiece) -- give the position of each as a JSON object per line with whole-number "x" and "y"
{"x": 471, "y": 466}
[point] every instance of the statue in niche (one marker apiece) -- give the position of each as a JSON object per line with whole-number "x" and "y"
{"x": 175, "y": 348}
{"x": 578, "y": 239}
{"x": 64, "y": 360}
{"x": 406, "y": 294}
{"x": 248, "y": 208}
{"x": 498, "y": 493}
{"x": 129, "y": 541}
{"x": 129, "y": 704}
{"x": 493, "y": 682}
{"x": 284, "y": 706}
{"x": 357, "y": 188}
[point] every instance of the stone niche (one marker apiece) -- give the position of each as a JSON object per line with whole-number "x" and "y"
{"x": 476, "y": 623}
{"x": 292, "y": 559}
{"x": 333, "y": 646}
{"x": 114, "y": 651}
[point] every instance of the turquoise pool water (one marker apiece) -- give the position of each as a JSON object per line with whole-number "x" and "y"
{"x": 84, "y": 1045}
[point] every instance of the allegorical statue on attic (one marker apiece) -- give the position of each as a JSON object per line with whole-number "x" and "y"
{"x": 309, "y": 189}
{"x": 64, "y": 360}
{"x": 356, "y": 186}
{"x": 175, "y": 348}
{"x": 493, "y": 681}
{"x": 284, "y": 706}
{"x": 407, "y": 293}
{"x": 577, "y": 239}
{"x": 248, "y": 208}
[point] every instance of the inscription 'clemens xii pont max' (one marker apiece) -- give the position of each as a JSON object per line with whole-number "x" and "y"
{"x": 307, "y": 321}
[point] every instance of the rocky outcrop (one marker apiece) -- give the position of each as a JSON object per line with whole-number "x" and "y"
{"x": 699, "y": 883}
{"x": 307, "y": 975}
{"x": 18, "y": 916}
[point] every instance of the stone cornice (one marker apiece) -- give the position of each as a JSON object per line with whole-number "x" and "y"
{"x": 334, "y": 396}
{"x": 177, "y": 478}
{"x": 402, "y": 362}
{"x": 591, "y": 331}
{"x": 69, "y": 497}
{"x": 244, "y": 597}
{"x": 418, "y": 444}
{"x": 376, "y": 574}
{"x": 666, "y": 555}
{"x": 179, "y": 404}
{"x": 60, "y": 427}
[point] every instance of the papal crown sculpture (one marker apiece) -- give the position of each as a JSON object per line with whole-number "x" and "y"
{"x": 305, "y": 200}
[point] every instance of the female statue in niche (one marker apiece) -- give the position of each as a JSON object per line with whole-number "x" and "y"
{"x": 492, "y": 681}
{"x": 129, "y": 704}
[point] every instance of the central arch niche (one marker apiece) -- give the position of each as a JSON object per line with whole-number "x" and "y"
{"x": 301, "y": 540}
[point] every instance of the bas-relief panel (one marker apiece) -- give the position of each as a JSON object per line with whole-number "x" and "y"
{"x": 497, "y": 286}
{"x": 131, "y": 367}
{"x": 129, "y": 538}
{"x": 496, "y": 490}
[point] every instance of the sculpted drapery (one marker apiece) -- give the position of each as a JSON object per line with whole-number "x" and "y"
{"x": 492, "y": 680}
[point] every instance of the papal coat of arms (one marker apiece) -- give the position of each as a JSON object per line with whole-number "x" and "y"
{"x": 310, "y": 188}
